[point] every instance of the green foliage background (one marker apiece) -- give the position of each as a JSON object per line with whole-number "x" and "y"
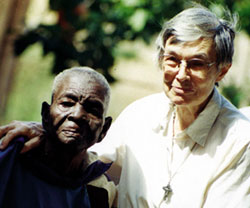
{"x": 89, "y": 32}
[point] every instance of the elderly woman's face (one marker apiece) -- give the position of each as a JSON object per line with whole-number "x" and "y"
{"x": 77, "y": 111}
{"x": 190, "y": 71}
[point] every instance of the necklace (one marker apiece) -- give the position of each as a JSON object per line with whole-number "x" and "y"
{"x": 168, "y": 189}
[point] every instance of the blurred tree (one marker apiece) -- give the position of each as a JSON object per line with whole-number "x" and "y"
{"x": 87, "y": 31}
{"x": 234, "y": 94}
{"x": 242, "y": 7}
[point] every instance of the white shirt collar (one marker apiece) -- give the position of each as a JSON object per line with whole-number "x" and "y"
{"x": 199, "y": 129}
{"x": 164, "y": 118}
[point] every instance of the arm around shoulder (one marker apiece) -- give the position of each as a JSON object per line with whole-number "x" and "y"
{"x": 31, "y": 130}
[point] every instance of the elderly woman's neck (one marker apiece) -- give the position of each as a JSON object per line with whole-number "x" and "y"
{"x": 65, "y": 162}
{"x": 185, "y": 115}
{"x": 183, "y": 118}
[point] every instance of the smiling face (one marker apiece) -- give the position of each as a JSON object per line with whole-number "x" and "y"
{"x": 190, "y": 71}
{"x": 76, "y": 115}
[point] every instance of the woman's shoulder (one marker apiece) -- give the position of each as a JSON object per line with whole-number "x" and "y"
{"x": 150, "y": 103}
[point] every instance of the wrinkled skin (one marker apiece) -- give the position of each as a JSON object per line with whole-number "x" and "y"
{"x": 70, "y": 114}
{"x": 32, "y": 130}
{"x": 190, "y": 73}
{"x": 190, "y": 87}
{"x": 76, "y": 116}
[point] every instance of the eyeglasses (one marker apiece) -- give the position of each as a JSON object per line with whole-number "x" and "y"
{"x": 195, "y": 64}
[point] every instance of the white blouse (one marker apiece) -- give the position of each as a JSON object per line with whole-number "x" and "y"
{"x": 207, "y": 165}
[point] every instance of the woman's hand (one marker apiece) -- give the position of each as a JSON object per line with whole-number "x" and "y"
{"x": 31, "y": 130}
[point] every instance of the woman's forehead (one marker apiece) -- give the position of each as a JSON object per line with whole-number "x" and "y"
{"x": 82, "y": 85}
{"x": 202, "y": 45}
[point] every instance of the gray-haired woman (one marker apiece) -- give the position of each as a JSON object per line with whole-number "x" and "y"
{"x": 188, "y": 146}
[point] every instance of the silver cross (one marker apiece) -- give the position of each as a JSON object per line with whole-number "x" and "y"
{"x": 167, "y": 190}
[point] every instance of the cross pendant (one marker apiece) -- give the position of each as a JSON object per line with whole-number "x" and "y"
{"x": 167, "y": 190}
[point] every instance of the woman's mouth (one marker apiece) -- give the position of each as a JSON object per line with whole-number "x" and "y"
{"x": 181, "y": 90}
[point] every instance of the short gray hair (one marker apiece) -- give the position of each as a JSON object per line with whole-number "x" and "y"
{"x": 82, "y": 71}
{"x": 199, "y": 22}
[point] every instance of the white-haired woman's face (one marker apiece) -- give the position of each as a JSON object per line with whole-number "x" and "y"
{"x": 190, "y": 71}
{"x": 77, "y": 112}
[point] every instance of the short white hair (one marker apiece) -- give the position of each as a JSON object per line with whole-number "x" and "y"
{"x": 82, "y": 71}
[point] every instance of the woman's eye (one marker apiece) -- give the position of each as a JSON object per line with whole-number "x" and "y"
{"x": 94, "y": 108}
{"x": 95, "y": 112}
{"x": 67, "y": 104}
{"x": 197, "y": 64}
{"x": 172, "y": 58}
{"x": 172, "y": 61}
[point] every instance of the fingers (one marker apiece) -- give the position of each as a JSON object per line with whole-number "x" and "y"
{"x": 34, "y": 142}
{"x": 19, "y": 128}
{"x": 4, "y": 129}
{"x": 8, "y": 132}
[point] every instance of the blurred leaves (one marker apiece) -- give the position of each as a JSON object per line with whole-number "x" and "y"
{"x": 243, "y": 9}
{"x": 87, "y": 32}
{"x": 234, "y": 94}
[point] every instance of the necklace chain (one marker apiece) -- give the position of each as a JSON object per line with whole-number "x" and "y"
{"x": 168, "y": 189}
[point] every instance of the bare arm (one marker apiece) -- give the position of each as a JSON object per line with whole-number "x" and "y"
{"x": 31, "y": 130}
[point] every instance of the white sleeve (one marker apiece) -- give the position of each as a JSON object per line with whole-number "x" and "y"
{"x": 232, "y": 188}
{"x": 112, "y": 147}
{"x": 245, "y": 111}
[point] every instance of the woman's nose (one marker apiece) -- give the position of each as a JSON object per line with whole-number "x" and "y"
{"x": 182, "y": 72}
{"x": 78, "y": 112}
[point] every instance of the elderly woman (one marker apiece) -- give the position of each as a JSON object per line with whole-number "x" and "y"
{"x": 60, "y": 172}
{"x": 186, "y": 147}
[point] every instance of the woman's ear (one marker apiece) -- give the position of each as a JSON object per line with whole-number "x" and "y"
{"x": 106, "y": 126}
{"x": 45, "y": 113}
{"x": 223, "y": 72}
